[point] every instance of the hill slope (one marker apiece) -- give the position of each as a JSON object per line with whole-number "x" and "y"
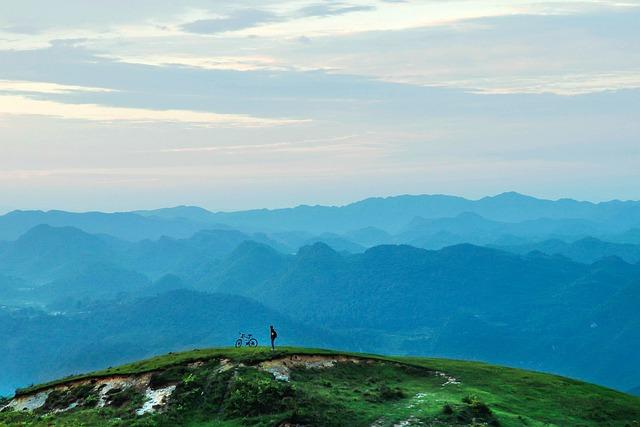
{"x": 316, "y": 387}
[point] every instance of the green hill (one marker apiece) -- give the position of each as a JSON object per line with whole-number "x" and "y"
{"x": 233, "y": 387}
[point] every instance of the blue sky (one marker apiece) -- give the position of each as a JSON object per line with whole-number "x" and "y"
{"x": 229, "y": 105}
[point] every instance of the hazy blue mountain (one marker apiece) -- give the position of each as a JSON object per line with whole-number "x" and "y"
{"x": 585, "y": 250}
{"x": 536, "y": 310}
{"x": 248, "y": 266}
{"x": 336, "y": 242}
{"x": 191, "y": 213}
{"x": 463, "y": 301}
{"x": 382, "y": 287}
{"x": 393, "y": 213}
{"x": 635, "y": 391}
{"x": 472, "y": 228}
{"x": 535, "y": 306}
{"x": 36, "y": 347}
{"x": 370, "y": 236}
{"x": 98, "y": 281}
{"x": 184, "y": 256}
{"x": 45, "y": 253}
{"x": 170, "y": 255}
{"x": 631, "y": 236}
{"x": 292, "y": 239}
{"x": 123, "y": 225}
{"x": 609, "y": 339}
{"x": 168, "y": 282}
{"x": 12, "y": 290}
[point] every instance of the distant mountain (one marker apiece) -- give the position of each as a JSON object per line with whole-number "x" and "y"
{"x": 167, "y": 283}
{"x": 11, "y": 288}
{"x": 585, "y": 250}
{"x": 463, "y": 301}
{"x": 630, "y": 236}
{"x": 472, "y": 228}
{"x": 98, "y": 281}
{"x": 123, "y": 225}
{"x": 370, "y": 236}
{"x": 45, "y": 253}
{"x": 389, "y": 214}
{"x": 336, "y": 242}
{"x": 170, "y": 255}
{"x": 568, "y": 304}
{"x": 36, "y": 347}
{"x": 535, "y": 310}
{"x": 191, "y": 213}
{"x": 635, "y": 391}
{"x": 249, "y": 265}
{"x": 393, "y": 213}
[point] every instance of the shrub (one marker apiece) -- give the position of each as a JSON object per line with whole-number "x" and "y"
{"x": 173, "y": 375}
{"x": 82, "y": 396}
{"x": 475, "y": 410}
{"x": 258, "y": 395}
{"x": 124, "y": 397}
{"x": 384, "y": 393}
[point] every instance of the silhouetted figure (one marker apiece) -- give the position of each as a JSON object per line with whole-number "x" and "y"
{"x": 274, "y": 335}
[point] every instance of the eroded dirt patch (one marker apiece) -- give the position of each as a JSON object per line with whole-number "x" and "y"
{"x": 281, "y": 367}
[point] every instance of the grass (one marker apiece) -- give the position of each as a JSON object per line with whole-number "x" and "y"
{"x": 385, "y": 391}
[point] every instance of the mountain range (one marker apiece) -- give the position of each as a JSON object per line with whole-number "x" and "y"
{"x": 548, "y": 285}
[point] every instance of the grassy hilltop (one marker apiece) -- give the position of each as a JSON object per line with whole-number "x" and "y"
{"x": 292, "y": 386}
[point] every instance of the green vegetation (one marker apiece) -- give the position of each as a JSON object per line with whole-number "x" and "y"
{"x": 226, "y": 388}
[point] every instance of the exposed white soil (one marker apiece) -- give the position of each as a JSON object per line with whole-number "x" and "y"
{"x": 412, "y": 421}
{"x": 417, "y": 400}
{"x": 155, "y": 399}
{"x": 281, "y": 368}
{"x": 28, "y": 403}
{"x": 105, "y": 385}
{"x": 449, "y": 379}
{"x": 225, "y": 365}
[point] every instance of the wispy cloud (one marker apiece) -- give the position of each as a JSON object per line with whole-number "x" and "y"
{"x": 238, "y": 63}
{"x": 237, "y": 20}
{"x": 21, "y": 105}
{"x": 45, "y": 87}
{"x": 333, "y": 9}
{"x": 561, "y": 84}
{"x": 301, "y": 145}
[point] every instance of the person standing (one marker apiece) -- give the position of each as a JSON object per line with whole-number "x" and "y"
{"x": 274, "y": 335}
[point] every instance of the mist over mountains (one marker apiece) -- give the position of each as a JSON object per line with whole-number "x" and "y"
{"x": 510, "y": 279}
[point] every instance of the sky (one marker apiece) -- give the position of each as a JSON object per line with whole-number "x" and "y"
{"x": 141, "y": 104}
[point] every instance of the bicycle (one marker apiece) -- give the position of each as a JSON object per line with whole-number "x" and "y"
{"x": 249, "y": 341}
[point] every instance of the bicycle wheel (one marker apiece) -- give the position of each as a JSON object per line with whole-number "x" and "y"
{"x": 238, "y": 343}
{"x": 252, "y": 342}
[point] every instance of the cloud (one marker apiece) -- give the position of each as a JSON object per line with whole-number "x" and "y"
{"x": 333, "y": 9}
{"x": 238, "y": 63}
{"x": 20, "y": 105}
{"x": 238, "y": 20}
{"x": 336, "y": 143}
{"x": 570, "y": 84}
{"x": 560, "y": 54}
{"x": 45, "y": 87}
